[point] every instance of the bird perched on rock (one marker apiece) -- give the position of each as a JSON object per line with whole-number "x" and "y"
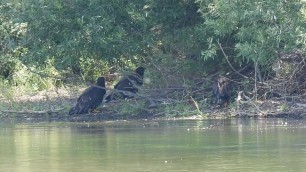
{"x": 90, "y": 99}
{"x": 128, "y": 84}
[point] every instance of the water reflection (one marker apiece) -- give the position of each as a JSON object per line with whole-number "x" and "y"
{"x": 209, "y": 145}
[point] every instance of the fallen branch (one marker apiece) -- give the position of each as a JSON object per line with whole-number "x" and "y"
{"x": 231, "y": 66}
{"x": 301, "y": 105}
{"x": 243, "y": 99}
{"x": 50, "y": 111}
{"x": 197, "y": 106}
{"x": 127, "y": 93}
{"x": 152, "y": 101}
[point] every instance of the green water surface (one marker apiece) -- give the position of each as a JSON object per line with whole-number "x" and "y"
{"x": 208, "y": 145}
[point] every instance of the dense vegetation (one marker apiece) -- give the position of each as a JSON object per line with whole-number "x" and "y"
{"x": 45, "y": 43}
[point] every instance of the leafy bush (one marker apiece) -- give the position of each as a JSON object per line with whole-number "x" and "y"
{"x": 252, "y": 30}
{"x": 88, "y": 37}
{"x": 11, "y": 35}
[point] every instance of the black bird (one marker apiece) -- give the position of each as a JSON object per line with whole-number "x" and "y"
{"x": 128, "y": 83}
{"x": 90, "y": 99}
{"x": 222, "y": 91}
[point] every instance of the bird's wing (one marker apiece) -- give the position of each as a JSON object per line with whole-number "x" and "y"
{"x": 128, "y": 83}
{"x": 90, "y": 99}
{"x": 121, "y": 84}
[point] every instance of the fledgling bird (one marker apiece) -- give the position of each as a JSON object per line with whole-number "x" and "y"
{"x": 222, "y": 91}
{"x": 90, "y": 99}
{"x": 128, "y": 83}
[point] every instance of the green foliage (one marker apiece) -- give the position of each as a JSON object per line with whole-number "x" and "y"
{"x": 284, "y": 107}
{"x": 88, "y": 37}
{"x": 109, "y": 30}
{"x": 70, "y": 30}
{"x": 11, "y": 35}
{"x": 6, "y": 92}
{"x": 78, "y": 34}
{"x": 179, "y": 110}
{"x": 35, "y": 78}
{"x": 92, "y": 68}
{"x": 130, "y": 109}
{"x": 252, "y": 30}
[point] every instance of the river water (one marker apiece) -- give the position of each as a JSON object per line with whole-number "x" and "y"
{"x": 207, "y": 145}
